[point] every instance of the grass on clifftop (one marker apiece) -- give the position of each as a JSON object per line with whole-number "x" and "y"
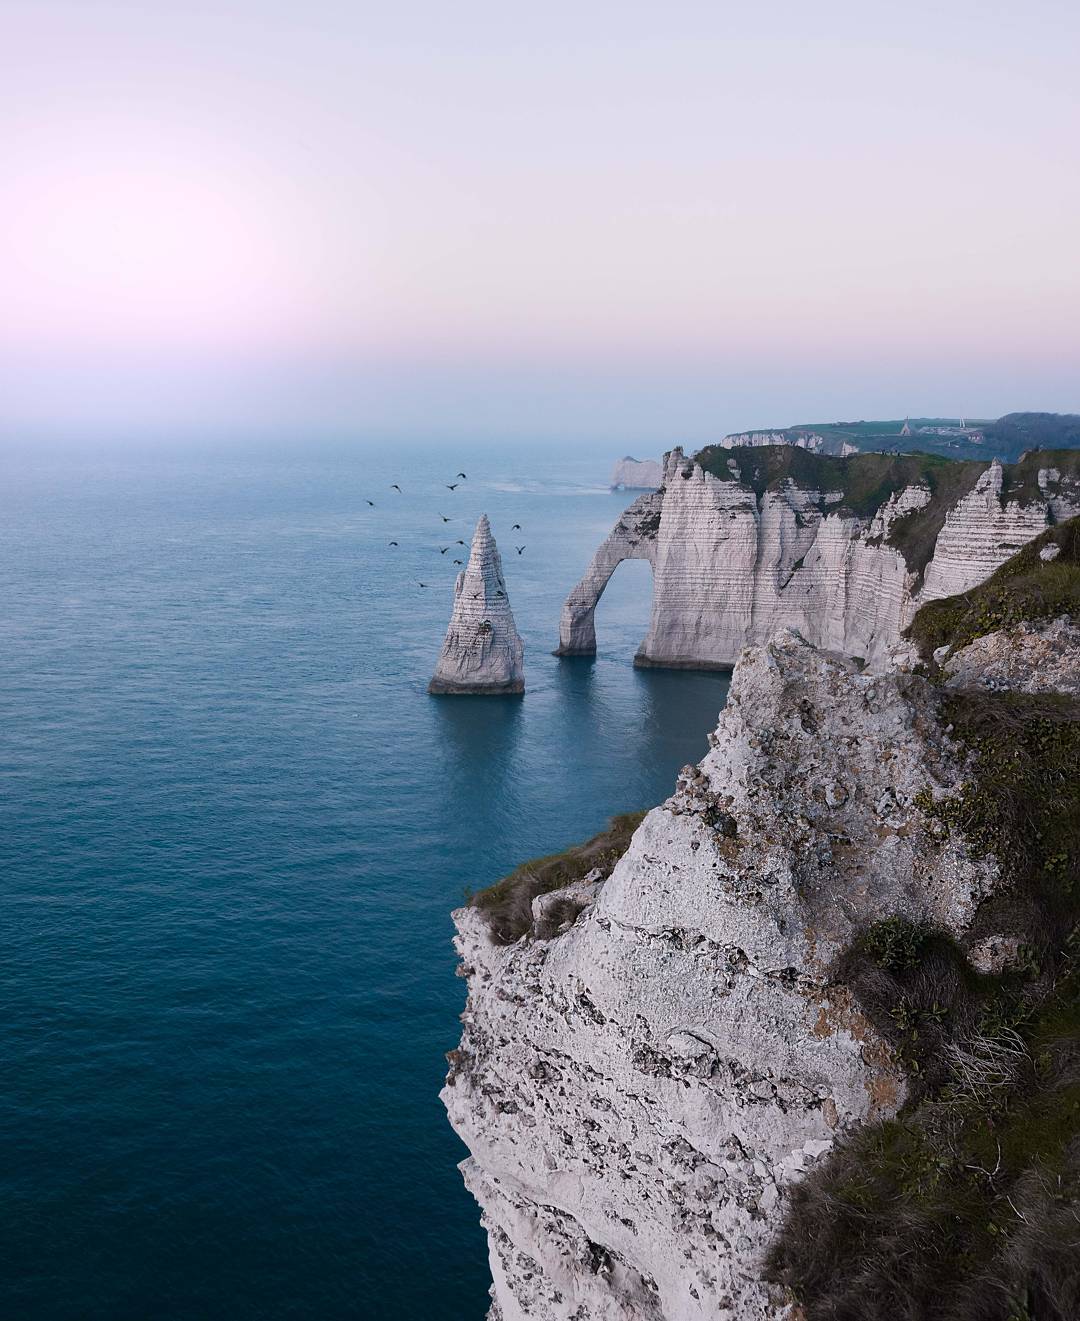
{"x": 1024, "y": 588}
{"x": 507, "y": 905}
{"x": 865, "y": 480}
{"x": 966, "y": 1206}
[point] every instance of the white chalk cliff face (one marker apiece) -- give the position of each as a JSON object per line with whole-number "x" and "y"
{"x": 482, "y": 652}
{"x": 637, "y": 474}
{"x": 731, "y": 566}
{"x": 639, "y": 1092}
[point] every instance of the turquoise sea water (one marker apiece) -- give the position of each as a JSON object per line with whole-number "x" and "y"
{"x": 232, "y": 829}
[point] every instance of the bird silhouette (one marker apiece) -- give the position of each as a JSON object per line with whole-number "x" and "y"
{"x": 459, "y": 542}
{"x": 397, "y": 488}
{"x": 519, "y": 549}
{"x": 371, "y": 503}
{"x": 500, "y": 593}
{"x": 393, "y": 543}
{"x": 445, "y": 519}
{"x": 454, "y": 487}
{"x": 516, "y": 527}
{"x": 463, "y": 477}
{"x": 443, "y": 550}
{"x": 419, "y": 584}
{"x": 459, "y": 561}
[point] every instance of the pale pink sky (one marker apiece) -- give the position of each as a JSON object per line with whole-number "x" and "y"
{"x": 605, "y": 218}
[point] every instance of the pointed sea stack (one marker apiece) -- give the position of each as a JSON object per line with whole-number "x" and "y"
{"x": 482, "y": 653}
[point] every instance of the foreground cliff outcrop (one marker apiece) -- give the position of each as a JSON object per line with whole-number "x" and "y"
{"x": 746, "y": 541}
{"x": 638, "y": 1092}
{"x": 636, "y": 474}
{"x": 756, "y": 1066}
{"x": 482, "y": 653}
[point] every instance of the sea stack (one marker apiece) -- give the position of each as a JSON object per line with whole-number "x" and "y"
{"x": 482, "y": 653}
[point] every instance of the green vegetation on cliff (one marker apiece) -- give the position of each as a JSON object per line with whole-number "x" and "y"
{"x": 1025, "y": 588}
{"x": 865, "y": 482}
{"x": 966, "y": 1206}
{"x": 507, "y": 905}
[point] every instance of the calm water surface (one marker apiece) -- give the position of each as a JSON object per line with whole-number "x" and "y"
{"x": 232, "y": 829}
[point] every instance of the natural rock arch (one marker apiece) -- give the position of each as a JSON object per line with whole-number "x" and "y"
{"x": 632, "y": 538}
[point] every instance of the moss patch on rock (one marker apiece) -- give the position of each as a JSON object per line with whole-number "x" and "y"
{"x": 1026, "y": 588}
{"x": 507, "y": 905}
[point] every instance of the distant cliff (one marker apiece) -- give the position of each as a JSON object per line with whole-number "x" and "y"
{"x": 746, "y": 541}
{"x": 636, "y": 474}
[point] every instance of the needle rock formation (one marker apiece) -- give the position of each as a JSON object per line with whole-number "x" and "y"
{"x": 482, "y": 653}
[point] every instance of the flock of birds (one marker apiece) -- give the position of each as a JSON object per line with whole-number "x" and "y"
{"x": 450, "y": 486}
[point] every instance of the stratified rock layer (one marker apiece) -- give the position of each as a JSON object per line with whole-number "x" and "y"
{"x": 637, "y": 474}
{"x": 482, "y": 653}
{"x": 731, "y": 565}
{"x": 638, "y": 1093}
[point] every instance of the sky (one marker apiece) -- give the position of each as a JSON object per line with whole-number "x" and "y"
{"x": 606, "y": 221}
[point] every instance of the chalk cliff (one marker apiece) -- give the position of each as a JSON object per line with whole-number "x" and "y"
{"x": 636, "y": 474}
{"x": 638, "y": 1092}
{"x": 482, "y": 652}
{"x": 661, "y": 1059}
{"x": 746, "y": 541}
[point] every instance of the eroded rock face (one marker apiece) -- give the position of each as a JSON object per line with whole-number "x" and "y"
{"x": 1031, "y": 658}
{"x": 731, "y": 566}
{"x": 482, "y": 652}
{"x": 638, "y": 1092}
{"x": 637, "y": 474}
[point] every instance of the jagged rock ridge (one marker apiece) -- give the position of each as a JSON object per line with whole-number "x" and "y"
{"x": 733, "y": 563}
{"x": 482, "y": 652}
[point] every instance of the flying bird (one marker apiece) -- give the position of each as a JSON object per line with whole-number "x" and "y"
{"x": 443, "y": 550}
{"x": 445, "y": 519}
{"x": 519, "y": 549}
{"x": 459, "y": 542}
{"x": 419, "y": 584}
{"x": 454, "y": 487}
{"x": 397, "y": 488}
{"x": 516, "y": 527}
{"x": 459, "y": 561}
{"x": 500, "y": 593}
{"x": 371, "y": 503}
{"x": 463, "y": 477}
{"x": 393, "y": 543}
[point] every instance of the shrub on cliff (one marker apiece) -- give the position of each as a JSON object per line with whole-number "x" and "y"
{"x": 966, "y": 1206}
{"x": 507, "y": 905}
{"x": 1026, "y": 588}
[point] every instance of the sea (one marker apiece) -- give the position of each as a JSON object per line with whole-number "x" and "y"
{"x": 233, "y": 827}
